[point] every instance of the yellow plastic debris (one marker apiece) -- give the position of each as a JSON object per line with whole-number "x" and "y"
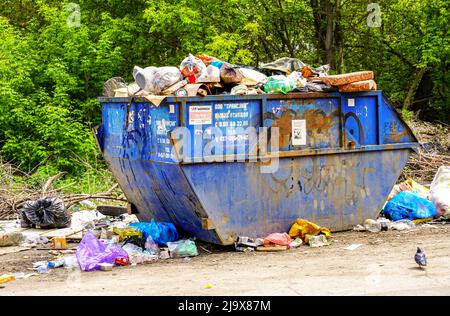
{"x": 6, "y": 278}
{"x": 208, "y": 285}
{"x": 303, "y": 229}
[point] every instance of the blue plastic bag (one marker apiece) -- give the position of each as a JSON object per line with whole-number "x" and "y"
{"x": 408, "y": 205}
{"x": 161, "y": 232}
{"x": 91, "y": 252}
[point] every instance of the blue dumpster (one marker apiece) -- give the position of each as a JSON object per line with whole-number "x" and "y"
{"x": 330, "y": 158}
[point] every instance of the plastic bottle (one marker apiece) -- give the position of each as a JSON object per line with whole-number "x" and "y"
{"x": 55, "y": 263}
{"x": 42, "y": 269}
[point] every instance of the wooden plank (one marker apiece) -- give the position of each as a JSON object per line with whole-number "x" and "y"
{"x": 12, "y": 249}
{"x": 272, "y": 248}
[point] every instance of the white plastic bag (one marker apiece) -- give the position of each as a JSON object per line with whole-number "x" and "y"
{"x": 154, "y": 80}
{"x": 440, "y": 190}
{"x": 252, "y": 77}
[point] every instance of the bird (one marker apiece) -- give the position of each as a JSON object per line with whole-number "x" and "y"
{"x": 420, "y": 258}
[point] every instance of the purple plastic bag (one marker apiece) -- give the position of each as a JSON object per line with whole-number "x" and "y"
{"x": 91, "y": 252}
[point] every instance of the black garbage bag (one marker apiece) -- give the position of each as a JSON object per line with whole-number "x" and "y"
{"x": 45, "y": 213}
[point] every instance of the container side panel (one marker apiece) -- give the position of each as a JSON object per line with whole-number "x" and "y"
{"x": 394, "y": 130}
{"x": 221, "y": 128}
{"x": 160, "y": 191}
{"x": 336, "y": 191}
{"x": 320, "y": 116}
{"x": 360, "y": 119}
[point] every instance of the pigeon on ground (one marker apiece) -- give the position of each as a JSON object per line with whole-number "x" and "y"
{"x": 420, "y": 258}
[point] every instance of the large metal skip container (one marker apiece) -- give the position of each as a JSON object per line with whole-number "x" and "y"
{"x": 338, "y": 156}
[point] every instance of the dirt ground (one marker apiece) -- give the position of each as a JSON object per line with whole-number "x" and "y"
{"x": 383, "y": 265}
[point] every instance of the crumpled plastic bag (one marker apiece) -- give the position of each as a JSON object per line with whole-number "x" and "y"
{"x": 408, "y": 205}
{"x": 161, "y": 232}
{"x": 212, "y": 74}
{"x": 137, "y": 255}
{"x": 192, "y": 68}
{"x": 304, "y": 229}
{"x": 252, "y": 77}
{"x": 182, "y": 248}
{"x": 297, "y": 77}
{"x": 91, "y": 252}
{"x": 440, "y": 190}
{"x": 285, "y": 64}
{"x": 45, "y": 213}
{"x": 279, "y": 84}
{"x": 281, "y": 239}
{"x": 230, "y": 74}
{"x": 85, "y": 219}
{"x": 154, "y": 80}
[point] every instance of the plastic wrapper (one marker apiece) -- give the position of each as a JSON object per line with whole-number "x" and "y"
{"x": 182, "y": 248}
{"x": 252, "y": 77}
{"x": 91, "y": 252}
{"x": 151, "y": 246}
{"x": 304, "y": 229}
{"x": 315, "y": 86}
{"x": 137, "y": 255}
{"x": 230, "y": 74}
{"x": 281, "y": 239}
{"x": 71, "y": 262}
{"x": 440, "y": 190}
{"x": 408, "y": 205}
{"x": 161, "y": 232}
{"x": 285, "y": 64}
{"x": 297, "y": 77}
{"x": 239, "y": 90}
{"x": 279, "y": 84}
{"x": 45, "y": 213}
{"x": 85, "y": 219}
{"x": 192, "y": 68}
{"x": 212, "y": 74}
{"x": 154, "y": 80}
{"x": 112, "y": 85}
{"x": 206, "y": 59}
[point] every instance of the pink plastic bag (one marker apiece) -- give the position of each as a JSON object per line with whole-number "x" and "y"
{"x": 91, "y": 252}
{"x": 282, "y": 239}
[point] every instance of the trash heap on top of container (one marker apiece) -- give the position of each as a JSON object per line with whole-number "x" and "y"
{"x": 205, "y": 75}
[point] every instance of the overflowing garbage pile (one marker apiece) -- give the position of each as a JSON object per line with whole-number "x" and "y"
{"x": 410, "y": 203}
{"x": 106, "y": 241}
{"x": 205, "y": 75}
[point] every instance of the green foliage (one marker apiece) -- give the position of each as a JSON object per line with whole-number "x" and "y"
{"x": 51, "y": 73}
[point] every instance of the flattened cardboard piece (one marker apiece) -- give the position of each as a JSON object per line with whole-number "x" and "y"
{"x": 175, "y": 87}
{"x": 195, "y": 88}
{"x": 154, "y": 99}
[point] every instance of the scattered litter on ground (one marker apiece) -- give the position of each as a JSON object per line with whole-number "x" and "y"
{"x": 10, "y": 239}
{"x": 318, "y": 241}
{"x": 353, "y": 247}
{"x": 208, "y": 286}
{"x": 182, "y": 248}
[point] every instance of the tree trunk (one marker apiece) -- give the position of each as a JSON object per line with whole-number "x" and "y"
{"x": 412, "y": 89}
{"x": 324, "y": 28}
